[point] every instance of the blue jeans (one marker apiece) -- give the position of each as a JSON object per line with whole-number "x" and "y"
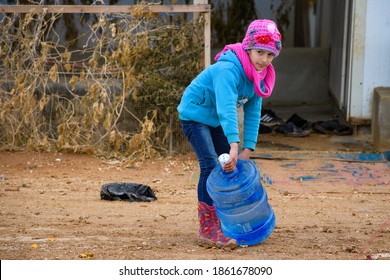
{"x": 208, "y": 143}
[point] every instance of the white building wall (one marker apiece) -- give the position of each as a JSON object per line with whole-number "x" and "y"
{"x": 370, "y": 55}
{"x": 377, "y": 52}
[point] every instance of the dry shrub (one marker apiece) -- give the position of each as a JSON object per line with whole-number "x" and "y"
{"x": 116, "y": 95}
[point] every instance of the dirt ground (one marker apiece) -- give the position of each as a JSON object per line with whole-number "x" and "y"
{"x": 51, "y": 209}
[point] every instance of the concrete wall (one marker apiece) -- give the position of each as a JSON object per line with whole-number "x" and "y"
{"x": 301, "y": 77}
{"x": 380, "y": 125}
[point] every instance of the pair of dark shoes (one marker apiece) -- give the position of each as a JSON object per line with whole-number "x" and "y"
{"x": 295, "y": 126}
{"x": 268, "y": 121}
{"x": 332, "y": 127}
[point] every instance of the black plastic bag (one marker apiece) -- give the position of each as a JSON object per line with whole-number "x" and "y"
{"x": 128, "y": 192}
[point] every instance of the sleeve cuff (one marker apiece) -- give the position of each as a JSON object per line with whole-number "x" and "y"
{"x": 249, "y": 145}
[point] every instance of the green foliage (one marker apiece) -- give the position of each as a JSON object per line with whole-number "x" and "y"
{"x": 117, "y": 96}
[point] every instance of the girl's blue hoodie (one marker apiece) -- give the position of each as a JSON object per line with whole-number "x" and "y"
{"x": 213, "y": 96}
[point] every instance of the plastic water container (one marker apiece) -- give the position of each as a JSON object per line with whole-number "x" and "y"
{"x": 241, "y": 202}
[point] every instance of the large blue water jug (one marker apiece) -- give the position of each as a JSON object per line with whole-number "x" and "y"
{"x": 241, "y": 203}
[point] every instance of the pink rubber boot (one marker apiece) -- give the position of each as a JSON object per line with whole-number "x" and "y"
{"x": 210, "y": 233}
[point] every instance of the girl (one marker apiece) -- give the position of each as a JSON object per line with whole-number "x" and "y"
{"x": 242, "y": 76}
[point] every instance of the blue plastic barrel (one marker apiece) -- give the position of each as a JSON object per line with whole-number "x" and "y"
{"x": 241, "y": 203}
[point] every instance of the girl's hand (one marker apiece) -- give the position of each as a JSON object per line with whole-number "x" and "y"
{"x": 245, "y": 154}
{"x": 230, "y": 165}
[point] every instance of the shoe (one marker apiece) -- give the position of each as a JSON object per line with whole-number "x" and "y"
{"x": 295, "y": 126}
{"x": 332, "y": 127}
{"x": 263, "y": 129}
{"x": 269, "y": 118}
{"x": 210, "y": 232}
{"x": 299, "y": 122}
{"x": 289, "y": 129}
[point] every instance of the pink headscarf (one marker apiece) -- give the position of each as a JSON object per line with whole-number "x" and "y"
{"x": 268, "y": 74}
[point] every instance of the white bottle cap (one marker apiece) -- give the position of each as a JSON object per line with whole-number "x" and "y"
{"x": 223, "y": 159}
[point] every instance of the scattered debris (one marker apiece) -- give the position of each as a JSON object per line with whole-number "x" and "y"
{"x": 87, "y": 255}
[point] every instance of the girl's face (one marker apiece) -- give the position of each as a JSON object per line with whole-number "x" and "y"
{"x": 260, "y": 58}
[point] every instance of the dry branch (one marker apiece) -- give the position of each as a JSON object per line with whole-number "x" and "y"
{"x": 113, "y": 95}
